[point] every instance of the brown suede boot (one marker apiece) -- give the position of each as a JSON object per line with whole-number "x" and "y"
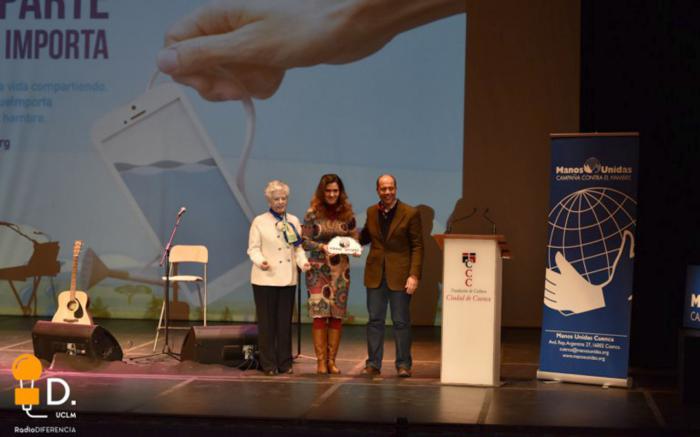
{"x": 333, "y": 343}
{"x": 320, "y": 337}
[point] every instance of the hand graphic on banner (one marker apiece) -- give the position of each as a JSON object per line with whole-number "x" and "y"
{"x": 570, "y": 293}
{"x": 227, "y": 45}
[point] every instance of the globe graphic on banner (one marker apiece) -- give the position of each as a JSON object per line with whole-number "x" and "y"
{"x": 587, "y": 227}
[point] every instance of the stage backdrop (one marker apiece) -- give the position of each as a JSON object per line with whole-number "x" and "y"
{"x": 590, "y": 250}
{"x": 68, "y": 172}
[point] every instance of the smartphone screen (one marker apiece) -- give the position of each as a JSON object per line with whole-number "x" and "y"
{"x": 164, "y": 160}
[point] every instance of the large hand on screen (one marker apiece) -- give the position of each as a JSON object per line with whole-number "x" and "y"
{"x": 232, "y": 48}
{"x": 570, "y": 293}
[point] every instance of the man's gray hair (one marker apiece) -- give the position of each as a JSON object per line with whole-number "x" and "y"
{"x": 274, "y": 186}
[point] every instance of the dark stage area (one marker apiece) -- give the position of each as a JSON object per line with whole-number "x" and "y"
{"x": 142, "y": 396}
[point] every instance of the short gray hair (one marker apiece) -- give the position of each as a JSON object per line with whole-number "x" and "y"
{"x": 276, "y": 185}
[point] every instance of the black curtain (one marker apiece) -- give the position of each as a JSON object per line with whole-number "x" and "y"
{"x": 640, "y": 71}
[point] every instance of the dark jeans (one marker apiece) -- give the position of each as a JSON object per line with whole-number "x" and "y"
{"x": 273, "y": 307}
{"x": 399, "y": 302}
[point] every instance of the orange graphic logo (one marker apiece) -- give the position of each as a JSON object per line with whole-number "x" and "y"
{"x": 27, "y": 370}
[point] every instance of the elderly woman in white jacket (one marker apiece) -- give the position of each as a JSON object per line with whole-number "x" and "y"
{"x": 274, "y": 247}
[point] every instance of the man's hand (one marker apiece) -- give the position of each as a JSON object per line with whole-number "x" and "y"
{"x": 306, "y": 267}
{"x": 411, "y": 284}
{"x": 264, "y": 265}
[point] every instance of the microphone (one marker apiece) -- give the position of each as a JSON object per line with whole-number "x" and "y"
{"x": 181, "y": 211}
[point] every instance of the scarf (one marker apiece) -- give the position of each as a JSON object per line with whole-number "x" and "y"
{"x": 291, "y": 235}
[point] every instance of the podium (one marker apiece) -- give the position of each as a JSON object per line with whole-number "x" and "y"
{"x": 471, "y": 308}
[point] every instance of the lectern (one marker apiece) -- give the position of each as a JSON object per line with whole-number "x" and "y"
{"x": 471, "y": 308}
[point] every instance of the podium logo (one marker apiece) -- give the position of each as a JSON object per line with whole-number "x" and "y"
{"x": 26, "y": 369}
{"x": 469, "y": 259}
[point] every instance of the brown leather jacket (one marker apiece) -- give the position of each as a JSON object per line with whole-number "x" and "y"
{"x": 400, "y": 255}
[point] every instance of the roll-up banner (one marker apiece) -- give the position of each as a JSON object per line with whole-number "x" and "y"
{"x": 691, "y": 308}
{"x": 591, "y": 239}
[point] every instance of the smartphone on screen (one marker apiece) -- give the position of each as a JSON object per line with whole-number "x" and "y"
{"x": 162, "y": 159}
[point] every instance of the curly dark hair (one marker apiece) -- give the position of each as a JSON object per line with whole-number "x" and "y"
{"x": 342, "y": 210}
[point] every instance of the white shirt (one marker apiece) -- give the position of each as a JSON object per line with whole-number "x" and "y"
{"x": 266, "y": 243}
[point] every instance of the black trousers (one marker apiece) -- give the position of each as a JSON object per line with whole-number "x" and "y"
{"x": 273, "y": 307}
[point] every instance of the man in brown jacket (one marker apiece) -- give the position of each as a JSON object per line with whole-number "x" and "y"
{"x": 392, "y": 272}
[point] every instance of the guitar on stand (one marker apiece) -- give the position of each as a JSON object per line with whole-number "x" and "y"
{"x": 73, "y": 304}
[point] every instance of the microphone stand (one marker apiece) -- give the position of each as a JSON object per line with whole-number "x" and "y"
{"x": 165, "y": 262}
{"x": 298, "y": 314}
{"x": 462, "y": 218}
{"x": 484, "y": 215}
{"x": 488, "y": 219}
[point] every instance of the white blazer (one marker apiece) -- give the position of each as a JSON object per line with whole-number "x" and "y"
{"x": 267, "y": 243}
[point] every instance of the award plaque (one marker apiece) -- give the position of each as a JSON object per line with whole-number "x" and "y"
{"x": 344, "y": 246}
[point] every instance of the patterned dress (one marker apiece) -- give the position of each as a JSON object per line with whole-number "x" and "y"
{"x": 328, "y": 280}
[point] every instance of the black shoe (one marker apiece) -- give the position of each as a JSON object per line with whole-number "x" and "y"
{"x": 288, "y": 371}
{"x": 272, "y": 372}
{"x": 370, "y": 371}
{"x": 403, "y": 372}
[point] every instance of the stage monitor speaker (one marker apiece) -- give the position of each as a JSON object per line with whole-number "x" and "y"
{"x": 225, "y": 344}
{"x": 91, "y": 341}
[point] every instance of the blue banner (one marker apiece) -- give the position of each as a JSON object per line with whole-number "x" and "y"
{"x": 691, "y": 308}
{"x": 590, "y": 258}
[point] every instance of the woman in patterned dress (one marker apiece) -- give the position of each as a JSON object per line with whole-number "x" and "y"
{"x": 330, "y": 215}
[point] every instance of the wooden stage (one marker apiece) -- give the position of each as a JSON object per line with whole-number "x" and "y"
{"x": 159, "y": 394}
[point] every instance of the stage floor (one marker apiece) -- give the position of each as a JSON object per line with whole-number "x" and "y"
{"x": 158, "y": 393}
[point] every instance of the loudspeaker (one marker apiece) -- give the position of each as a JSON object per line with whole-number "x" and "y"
{"x": 226, "y": 344}
{"x": 92, "y": 341}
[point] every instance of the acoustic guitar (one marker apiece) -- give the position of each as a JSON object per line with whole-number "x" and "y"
{"x": 73, "y": 304}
